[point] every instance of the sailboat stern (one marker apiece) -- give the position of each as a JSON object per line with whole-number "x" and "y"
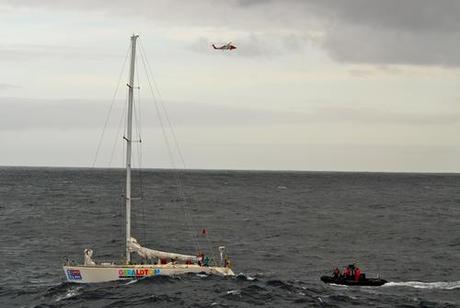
{"x": 92, "y": 274}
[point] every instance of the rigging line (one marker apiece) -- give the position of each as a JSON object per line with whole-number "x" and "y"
{"x": 101, "y": 137}
{"x": 121, "y": 123}
{"x": 123, "y": 202}
{"x": 139, "y": 157}
{"x": 172, "y": 129}
{"x": 122, "y": 186}
{"x": 138, "y": 121}
{"x": 160, "y": 100}
{"x": 138, "y": 88}
{"x": 168, "y": 146}
{"x": 176, "y": 175}
{"x": 160, "y": 119}
{"x": 179, "y": 151}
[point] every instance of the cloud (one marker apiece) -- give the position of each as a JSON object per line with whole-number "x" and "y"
{"x": 6, "y": 86}
{"x": 26, "y": 52}
{"x": 360, "y": 45}
{"x": 362, "y": 115}
{"x": 32, "y": 114}
{"x": 420, "y": 32}
{"x": 408, "y": 15}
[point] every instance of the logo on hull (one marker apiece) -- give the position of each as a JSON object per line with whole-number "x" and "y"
{"x": 137, "y": 273}
{"x": 73, "y": 274}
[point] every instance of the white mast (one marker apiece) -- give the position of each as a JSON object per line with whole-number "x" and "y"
{"x": 128, "y": 139}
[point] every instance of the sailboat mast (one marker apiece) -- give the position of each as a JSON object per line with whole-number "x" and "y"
{"x": 128, "y": 139}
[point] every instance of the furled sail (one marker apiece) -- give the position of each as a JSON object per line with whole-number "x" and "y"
{"x": 148, "y": 253}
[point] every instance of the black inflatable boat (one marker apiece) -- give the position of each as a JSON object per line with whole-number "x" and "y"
{"x": 375, "y": 282}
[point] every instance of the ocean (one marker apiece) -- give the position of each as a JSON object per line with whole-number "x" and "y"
{"x": 282, "y": 230}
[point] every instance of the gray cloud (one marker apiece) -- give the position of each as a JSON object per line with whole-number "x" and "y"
{"x": 21, "y": 52}
{"x": 25, "y": 114}
{"x": 416, "y": 32}
{"x": 6, "y": 86}
{"x": 406, "y": 15}
{"x": 360, "y": 115}
{"x": 360, "y": 45}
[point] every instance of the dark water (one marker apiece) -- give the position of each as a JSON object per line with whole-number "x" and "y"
{"x": 282, "y": 230}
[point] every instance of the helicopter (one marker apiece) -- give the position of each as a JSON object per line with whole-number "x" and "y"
{"x": 228, "y": 46}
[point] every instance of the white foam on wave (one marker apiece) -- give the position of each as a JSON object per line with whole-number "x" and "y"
{"x": 442, "y": 285}
{"x": 131, "y": 282}
{"x": 247, "y": 277}
{"x": 69, "y": 294}
{"x": 234, "y": 292}
{"x": 338, "y": 285}
{"x": 135, "y": 280}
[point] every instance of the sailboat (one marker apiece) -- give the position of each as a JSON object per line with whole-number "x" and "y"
{"x": 156, "y": 262}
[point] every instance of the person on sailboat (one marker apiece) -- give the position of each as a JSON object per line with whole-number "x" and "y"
{"x": 206, "y": 261}
{"x": 88, "y": 257}
{"x": 200, "y": 258}
{"x": 227, "y": 262}
{"x": 336, "y": 273}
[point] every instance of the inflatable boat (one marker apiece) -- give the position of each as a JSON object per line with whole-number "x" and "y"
{"x": 374, "y": 282}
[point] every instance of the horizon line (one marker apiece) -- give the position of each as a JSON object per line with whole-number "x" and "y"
{"x": 233, "y": 170}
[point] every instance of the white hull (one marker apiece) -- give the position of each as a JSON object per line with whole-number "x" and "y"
{"x": 104, "y": 273}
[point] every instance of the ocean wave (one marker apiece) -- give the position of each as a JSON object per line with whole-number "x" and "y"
{"x": 157, "y": 279}
{"x": 70, "y": 293}
{"x": 60, "y": 288}
{"x": 142, "y": 300}
{"x": 244, "y": 277}
{"x": 281, "y": 284}
{"x": 442, "y": 285}
{"x": 252, "y": 294}
{"x": 131, "y": 282}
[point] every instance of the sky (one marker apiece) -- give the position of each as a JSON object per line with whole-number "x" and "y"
{"x": 322, "y": 85}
